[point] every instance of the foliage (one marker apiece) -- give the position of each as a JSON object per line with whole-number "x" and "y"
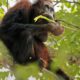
{"x": 65, "y": 48}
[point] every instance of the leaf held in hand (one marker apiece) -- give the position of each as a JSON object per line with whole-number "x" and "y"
{"x": 42, "y": 17}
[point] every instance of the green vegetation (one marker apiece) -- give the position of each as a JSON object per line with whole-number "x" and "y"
{"x": 65, "y": 48}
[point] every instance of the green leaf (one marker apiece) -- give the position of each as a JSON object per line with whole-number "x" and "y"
{"x": 42, "y": 17}
{"x": 68, "y": 5}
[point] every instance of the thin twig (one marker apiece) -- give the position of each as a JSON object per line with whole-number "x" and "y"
{"x": 55, "y": 3}
{"x": 67, "y": 1}
{"x": 7, "y": 4}
{"x": 69, "y": 23}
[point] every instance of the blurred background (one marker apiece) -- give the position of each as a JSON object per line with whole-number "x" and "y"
{"x": 64, "y": 49}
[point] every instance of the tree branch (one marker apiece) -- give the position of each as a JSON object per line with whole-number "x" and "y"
{"x": 7, "y": 4}
{"x": 76, "y": 2}
{"x": 69, "y": 23}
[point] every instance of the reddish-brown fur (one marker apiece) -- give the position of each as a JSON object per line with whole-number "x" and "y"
{"x": 38, "y": 50}
{"x": 43, "y": 54}
{"x": 23, "y": 4}
{"x": 22, "y": 44}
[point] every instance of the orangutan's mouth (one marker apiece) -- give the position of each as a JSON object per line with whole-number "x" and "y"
{"x": 48, "y": 16}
